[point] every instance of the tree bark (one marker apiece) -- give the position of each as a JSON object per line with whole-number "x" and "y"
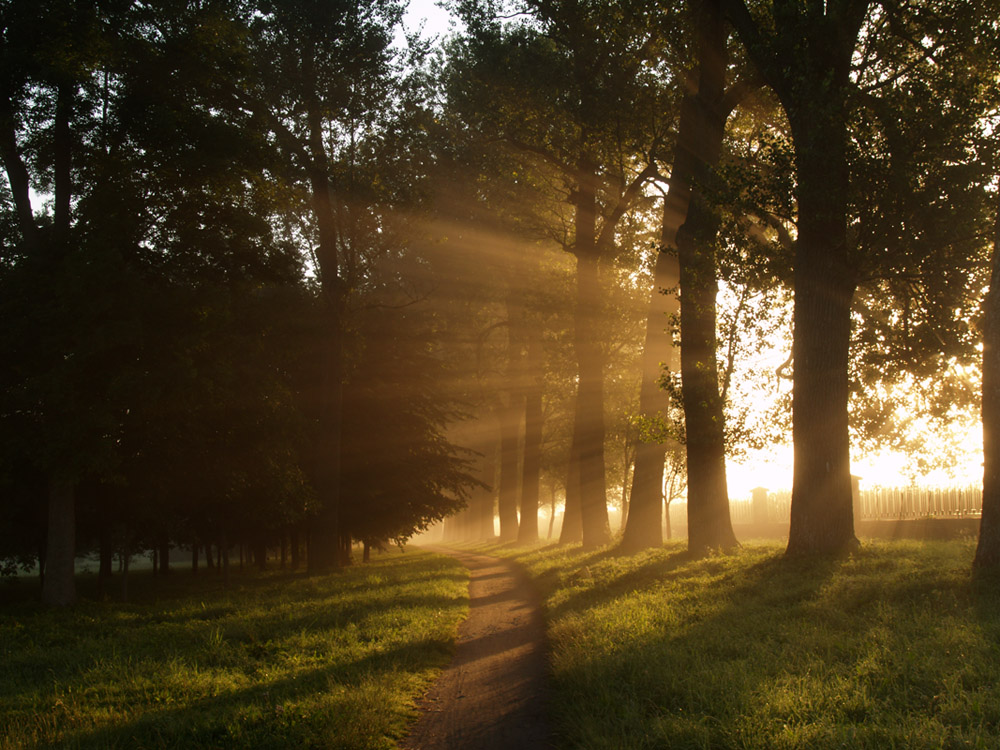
{"x": 325, "y": 549}
{"x": 164, "y": 549}
{"x": 59, "y": 587}
{"x": 642, "y": 528}
{"x": 106, "y": 554}
{"x": 822, "y": 512}
{"x": 588, "y": 421}
{"x": 572, "y": 525}
{"x": 532, "y": 468}
{"x": 126, "y": 558}
{"x": 507, "y": 503}
{"x": 988, "y": 548}
{"x": 295, "y": 543}
{"x": 224, "y": 557}
{"x": 806, "y": 60}
{"x": 709, "y": 523}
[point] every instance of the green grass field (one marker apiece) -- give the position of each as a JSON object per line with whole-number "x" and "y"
{"x": 895, "y": 648}
{"x": 277, "y": 661}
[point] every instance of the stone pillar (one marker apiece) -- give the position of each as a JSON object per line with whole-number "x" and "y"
{"x": 759, "y": 504}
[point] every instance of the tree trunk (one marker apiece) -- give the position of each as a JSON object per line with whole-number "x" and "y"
{"x": 507, "y": 503}
{"x": 59, "y": 588}
{"x": 164, "y": 548}
{"x": 194, "y": 556}
{"x": 588, "y": 419}
{"x": 224, "y": 557}
{"x": 806, "y": 59}
{"x": 325, "y": 549}
{"x": 988, "y": 549}
{"x": 709, "y": 523}
{"x": 346, "y": 542}
{"x": 552, "y": 511}
{"x": 106, "y": 555}
{"x": 822, "y": 515}
{"x": 126, "y": 558}
{"x": 42, "y": 555}
{"x": 572, "y": 526}
{"x": 366, "y": 554}
{"x": 532, "y": 469}
{"x": 294, "y": 542}
{"x": 260, "y": 555}
{"x": 643, "y": 526}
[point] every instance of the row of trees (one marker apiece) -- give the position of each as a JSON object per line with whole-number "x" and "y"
{"x": 843, "y": 150}
{"x": 211, "y": 331}
{"x": 291, "y": 277}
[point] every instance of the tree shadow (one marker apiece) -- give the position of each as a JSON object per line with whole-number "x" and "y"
{"x": 772, "y": 651}
{"x": 259, "y": 715}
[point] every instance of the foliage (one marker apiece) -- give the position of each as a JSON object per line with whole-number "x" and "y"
{"x": 401, "y": 474}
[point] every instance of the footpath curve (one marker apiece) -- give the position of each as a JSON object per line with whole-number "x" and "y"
{"x": 494, "y": 694}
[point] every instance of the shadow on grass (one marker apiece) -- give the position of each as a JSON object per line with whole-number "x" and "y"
{"x": 261, "y": 715}
{"x": 874, "y": 651}
{"x": 239, "y": 635}
{"x": 690, "y": 677}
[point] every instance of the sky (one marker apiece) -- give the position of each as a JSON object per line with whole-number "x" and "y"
{"x": 431, "y": 14}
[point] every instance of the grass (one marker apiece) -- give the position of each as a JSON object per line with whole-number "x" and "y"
{"x": 277, "y": 661}
{"x": 896, "y": 647}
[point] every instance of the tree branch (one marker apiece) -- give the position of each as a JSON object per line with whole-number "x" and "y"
{"x": 17, "y": 173}
{"x": 624, "y": 202}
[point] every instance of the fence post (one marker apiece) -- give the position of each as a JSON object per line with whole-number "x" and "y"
{"x": 759, "y": 503}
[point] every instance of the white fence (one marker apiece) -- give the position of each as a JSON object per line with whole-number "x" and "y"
{"x": 881, "y": 503}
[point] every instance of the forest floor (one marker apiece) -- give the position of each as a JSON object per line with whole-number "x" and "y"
{"x": 493, "y": 695}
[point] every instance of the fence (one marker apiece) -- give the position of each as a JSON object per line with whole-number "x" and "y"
{"x": 874, "y": 504}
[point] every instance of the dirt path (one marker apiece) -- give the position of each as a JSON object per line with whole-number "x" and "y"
{"x": 493, "y": 695}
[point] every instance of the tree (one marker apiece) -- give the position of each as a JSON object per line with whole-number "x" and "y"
{"x": 988, "y": 548}
{"x": 826, "y": 63}
{"x": 54, "y": 389}
{"x": 401, "y": 473}
{"x": 804, "y": 53}
{"x": 557, "y": 90}
{"x": 690, "y": 228}
{"x": 327, "y": 80}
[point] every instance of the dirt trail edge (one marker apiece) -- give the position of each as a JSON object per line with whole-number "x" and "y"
{"x": 494, "y": 694}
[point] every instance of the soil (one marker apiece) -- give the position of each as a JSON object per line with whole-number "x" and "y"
{"x": 494, "y": 694}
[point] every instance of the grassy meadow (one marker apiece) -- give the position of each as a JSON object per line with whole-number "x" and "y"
{"x": 895, "y": 648}
{"x": 275, "y": 661}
